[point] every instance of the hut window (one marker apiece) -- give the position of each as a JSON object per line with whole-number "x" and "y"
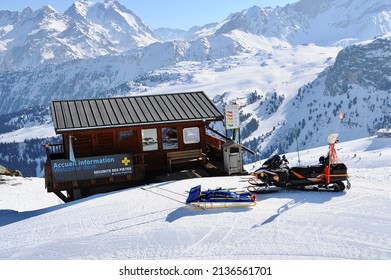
{"x": 191, "y": 135}
{"x": 149, "y": 137}
{"x": 123, "y": 135}
{"x": 170, "y": 138}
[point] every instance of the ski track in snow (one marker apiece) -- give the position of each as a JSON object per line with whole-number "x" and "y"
{"x": 333, "y": 223}
{"x": 154, "y": 223}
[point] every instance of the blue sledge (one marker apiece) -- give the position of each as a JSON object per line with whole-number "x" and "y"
{"x": 219, "y": 198}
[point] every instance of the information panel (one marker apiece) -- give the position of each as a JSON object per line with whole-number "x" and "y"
{"x": 232, "y": 120}
{"x": 92, "y": 167}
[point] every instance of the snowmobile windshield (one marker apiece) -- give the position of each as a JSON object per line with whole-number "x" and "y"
{"x": 273, "y": 162}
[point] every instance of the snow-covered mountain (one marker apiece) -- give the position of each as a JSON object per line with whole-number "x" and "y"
{"x": 107, "y": 75}
{"x": 322, "y": 22}
{"x": 358, "y": 84}
{"x": 169, "y": 34}
{"x": 86, "y": 30}
{"x": 277, "y": 111}
{"x": 290, "y": 93}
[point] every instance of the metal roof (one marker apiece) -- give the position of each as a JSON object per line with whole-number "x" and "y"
{"x": 75, "y": 115}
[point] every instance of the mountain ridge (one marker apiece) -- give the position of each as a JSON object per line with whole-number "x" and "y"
{"x": 275, "y": 81}
{"x": 86, "y": 30}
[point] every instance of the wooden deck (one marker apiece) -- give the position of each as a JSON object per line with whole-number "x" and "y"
{"x": 213, "y": 168}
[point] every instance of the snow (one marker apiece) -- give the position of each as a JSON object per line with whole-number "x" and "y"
{"x": 277, "y": 67}
{"x": 28, "y": 132}
{"x": 23, "y": 195}
{"x": 150, "y": 225}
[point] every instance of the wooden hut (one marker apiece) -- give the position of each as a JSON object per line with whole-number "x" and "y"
{"x": 108, "y": 141}
{"x": 384, "y": 133}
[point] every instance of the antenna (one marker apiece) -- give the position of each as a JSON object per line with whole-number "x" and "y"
{"x": 340, "y": 118}
{"x": 297, "y": 144}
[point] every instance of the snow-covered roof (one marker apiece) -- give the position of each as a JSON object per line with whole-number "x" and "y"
{"x": 384, "y": 132}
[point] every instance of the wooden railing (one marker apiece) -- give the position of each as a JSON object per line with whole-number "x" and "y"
{"x": 54, "y": 151}
{"x": 215, "y": 145}
{"x": 138, "y": 159}
{"x": 214, "y": 141}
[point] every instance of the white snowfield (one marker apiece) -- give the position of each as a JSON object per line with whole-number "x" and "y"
{"x": 153, "y": 223}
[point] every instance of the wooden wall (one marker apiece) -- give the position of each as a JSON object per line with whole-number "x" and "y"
{"x": 109, "y": 141}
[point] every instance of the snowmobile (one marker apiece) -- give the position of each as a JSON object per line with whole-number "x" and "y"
{"x": 328, "y": 174}
{"x": 219, "y": 198}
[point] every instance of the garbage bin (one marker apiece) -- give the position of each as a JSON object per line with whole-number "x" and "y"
{"x": 233, "y": 157}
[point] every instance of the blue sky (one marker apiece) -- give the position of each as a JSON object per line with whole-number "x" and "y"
{"x": 157, "y": 13}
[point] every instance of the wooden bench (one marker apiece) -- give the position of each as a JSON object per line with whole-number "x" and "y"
{"x": 187, "y": 156}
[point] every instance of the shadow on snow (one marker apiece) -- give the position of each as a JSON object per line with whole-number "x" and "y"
{"x": 298, "y": 198}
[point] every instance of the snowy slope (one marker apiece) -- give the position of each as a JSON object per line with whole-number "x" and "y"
{"x": 155, "y": 224}
{"x": 212, "y": 56}
{"x": 282, "y": 88}
{"x": 322, "y": 22}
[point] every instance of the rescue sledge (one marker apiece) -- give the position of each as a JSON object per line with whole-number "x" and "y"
{"x": 219, "y": 198}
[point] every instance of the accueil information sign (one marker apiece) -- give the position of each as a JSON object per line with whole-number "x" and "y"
{"x": 92, "y": 167}
{"x": 232, "y": 116}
